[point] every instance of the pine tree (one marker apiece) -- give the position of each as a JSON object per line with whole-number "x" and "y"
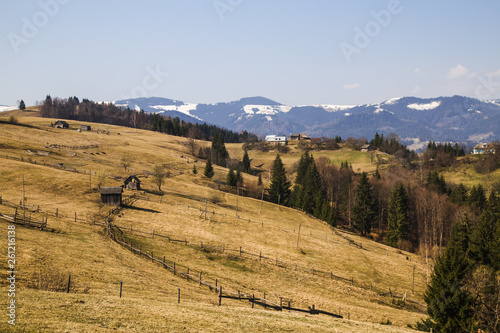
{"x": 448, "y": 302}
{"x": 231, "y": 178}
{"x": 304, "y": 163}
{"x": 195, "y": 171}
{"x": 279, "y": 188}
{"x": 459, "y": 195}
{"x": 239, "y": 178}
{"x": 477, "y": 197}
{"x": 22, "y": 106}
{"x": 484, "y": 243}
{"x": 311, "y": 190}
{"x": 398, "y": 228}
{"x": 219, "y": 151}
{"x": 246, "y": 162}
{"x": 209, "y": 170}
{"x": 363, "y": 212}
{"x": 259, "y": 180}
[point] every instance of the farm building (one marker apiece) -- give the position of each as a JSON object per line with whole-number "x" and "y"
{"x": 60, "y": 124}
{"x": 86, "y": 128}
{"x": 366, "y": 148}
{"x": 297, "y": 137}
{"x": 277, "y": 140}
{"x": 111, "y": 195}
{"x": 132, "y": 183}
{"x": 484, "y": 148}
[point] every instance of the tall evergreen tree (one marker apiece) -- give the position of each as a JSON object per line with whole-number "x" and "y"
{"x": 398, "y": 228}
{"x": 484, "y": 243}
{"x": 239, "y": 177}
{"x": 246, "y": 162}
{"x": 311, "y": 190}
{"x": 259, "y": 180}
{"x": 279, "y": 188}
{"x": 209, "y": 170}
{"x": 363, "y": 212}
{"x": 459, "y": 195}
{"x": 448, "y": 302}
{"x": 305, "y": 161}
{"x": 22, "y": 106}
{"x": 219, "y": 151}
{"x": 477, "y": 197}
{"x": 231, "y": 178}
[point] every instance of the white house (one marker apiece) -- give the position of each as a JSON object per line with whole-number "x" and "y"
{"x": 277, "y": 139}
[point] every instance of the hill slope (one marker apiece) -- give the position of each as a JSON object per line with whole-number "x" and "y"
{"x": 260, "y": 253}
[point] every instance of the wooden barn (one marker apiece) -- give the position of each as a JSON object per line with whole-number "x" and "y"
{"x": 86, "y": 128}
{"x": 132, "y": 183}
{"x": 366, "y": 148}
{"x": 60, "y": 124}
{"x": 111, "y": 195}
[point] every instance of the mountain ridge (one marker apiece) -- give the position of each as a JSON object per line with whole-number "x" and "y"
{"x": 444, "y": 119}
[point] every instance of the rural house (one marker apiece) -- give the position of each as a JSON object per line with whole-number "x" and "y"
{"x": 111, "y": 195}
{"x": 85, "y": 128}
{"x": 297, "y": 137}
{"x": 366, "y": 148}
{"x": 277, "y": 139}
{"x": 60, "y": 124}
{"x": 484, "y": 148}
{"x": 132, "y": 183}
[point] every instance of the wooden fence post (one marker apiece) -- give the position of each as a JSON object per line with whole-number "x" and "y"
{"x": 153, "y": 233}
{"x": 75, "y": 217}
{"x": 69, "y": 283}
{"x": 253, "y": 304}
{"x": 57, "y": 212}
{"x": 178, "y": 295}
{"x": 163, "y": 262}
{"x": 240, "y": 251}
{"x": 174, "y": 267}
{"x": 121, "y": 288}
{"x": 220, "y": 295}
{"x": 200, "y": 278}
{"x": 187, "y": 274}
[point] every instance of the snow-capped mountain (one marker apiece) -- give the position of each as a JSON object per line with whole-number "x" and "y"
{"x": 443, "y": 119}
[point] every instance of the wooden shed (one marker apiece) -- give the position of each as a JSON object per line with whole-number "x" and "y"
{"x": 61, "y": 124}
{"x": 86, "y": 128}
{"x": 111, "y": 195}
{"x": 132, "y": 183}
{"x": 366, "y": 148}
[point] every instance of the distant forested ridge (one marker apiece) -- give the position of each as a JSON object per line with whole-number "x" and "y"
{"x": 108, "y": 113}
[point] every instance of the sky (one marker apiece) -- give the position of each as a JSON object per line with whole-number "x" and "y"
{"x": 207, "y": 51}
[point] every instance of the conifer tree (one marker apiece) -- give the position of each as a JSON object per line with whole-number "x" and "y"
{"x": 219, "y": 151}
{"x": 363, "y": 212}
{"x": 311, "y": 190}
{"x": 484, "y": 243}
{"x": 459, "y": 195}
{"x": 304, "y": 163}
{"x": 398, "y": 228}
{"x": 195, "y": 171}
{"x": 22, "y": 106}
{"x": 246, "y": 162}
{"x": 209, "y": 170}
{"x": 448, "y": 302}
{"x": 259, "y": 180}
{"x": 477, "y": 197}
{"x": 239, "y": 178}
{"x": 279, "y": 188}
{"x": 231, "y": 178}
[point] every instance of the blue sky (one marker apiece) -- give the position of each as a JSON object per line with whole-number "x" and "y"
{"x": 206, "y": 51}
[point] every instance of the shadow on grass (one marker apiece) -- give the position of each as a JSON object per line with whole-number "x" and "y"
{"x": 141, "y": 209}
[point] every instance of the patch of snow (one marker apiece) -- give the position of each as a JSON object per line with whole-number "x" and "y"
{"x": 477, "y": 111}
{"x": 392, "y": 100}
{"x": 269, "y": 118}
{"x": 422, "y": 107}
{"x": 185, "y": 109}
{"x": 335, "y": 108}
{"x": 7, "y": 108}
{"x": 137, "y": 108}
{"x": 378, "y": 110}
{"x": 265, "y": 109}
{"x": 347, "y": 114}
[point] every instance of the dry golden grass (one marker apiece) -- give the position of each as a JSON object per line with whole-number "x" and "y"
{"x": 149, "y": 302}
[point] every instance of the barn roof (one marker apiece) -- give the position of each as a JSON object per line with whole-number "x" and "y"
{"x": 111, "y": 190}
{"x": 132, "y": 177}
{"x": 61, "y": 122}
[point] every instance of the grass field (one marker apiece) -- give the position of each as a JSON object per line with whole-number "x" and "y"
{"x": 149, "y": 302}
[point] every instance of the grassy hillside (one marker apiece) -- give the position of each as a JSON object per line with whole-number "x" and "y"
{"x": 60, "y": 182}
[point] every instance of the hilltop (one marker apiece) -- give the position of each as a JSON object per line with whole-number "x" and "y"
{"x": 245, "y": 245}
